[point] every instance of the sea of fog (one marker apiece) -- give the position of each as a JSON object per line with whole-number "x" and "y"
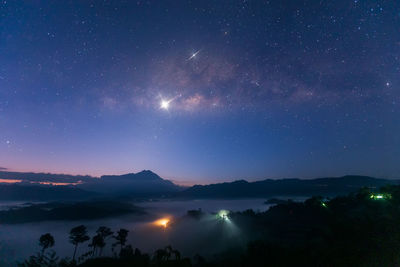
{"x": 189, "y": 236}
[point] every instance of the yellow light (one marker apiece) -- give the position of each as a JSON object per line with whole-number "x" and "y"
{"x": 163, "y": 222}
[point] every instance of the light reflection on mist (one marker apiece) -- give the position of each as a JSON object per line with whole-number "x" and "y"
{"x": 205, "y": 236}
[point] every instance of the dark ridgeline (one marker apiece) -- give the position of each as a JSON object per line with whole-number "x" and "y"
{"x": 48, "y": 177}
{"x": 147, "y": 184}
{"x": 285, "y": 187}
{"x": 69, "y": 211}
{"x": 142, "y": 184}
{"x": 360, "y": 229}
{"x": 29, "y": 192}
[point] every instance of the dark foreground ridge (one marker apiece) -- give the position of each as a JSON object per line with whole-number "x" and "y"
{"x": 359, "y": 229}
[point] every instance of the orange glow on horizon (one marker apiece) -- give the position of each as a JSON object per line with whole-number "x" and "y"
{"x": 10, "y": 181}
{"x": 55, "y": 183}
{"x": 15, "y": 181}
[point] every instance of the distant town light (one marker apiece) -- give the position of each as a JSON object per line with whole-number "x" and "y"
{"x": 163, "y": 222}
{"x": 223, "y": 214}
{"x": 380, "y": 196}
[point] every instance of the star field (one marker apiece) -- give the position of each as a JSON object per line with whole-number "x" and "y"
{"x": 201, "y": 90}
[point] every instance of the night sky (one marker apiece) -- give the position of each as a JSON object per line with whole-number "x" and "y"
{"x": 201, "y": 91}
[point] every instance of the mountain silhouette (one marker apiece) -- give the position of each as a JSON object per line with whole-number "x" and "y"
{"x": 141, "y": 183}
{"x": 144, "y": 175}
{"x": 144, "y": 184}
{"x": 148, "y": 184}
{"x": 330, "y": 186}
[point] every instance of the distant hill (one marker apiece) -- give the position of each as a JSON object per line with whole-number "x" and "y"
{"x": 285, "y": 187}
{"x": 17, "y": 192}
{"x": 45, "y": 177}
{"x": 87, "y": 210}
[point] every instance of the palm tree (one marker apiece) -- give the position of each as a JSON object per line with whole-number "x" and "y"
{"x": 46, "y": 241}
{"x": 121, "y": 238}
{"x": 78, "y": 235}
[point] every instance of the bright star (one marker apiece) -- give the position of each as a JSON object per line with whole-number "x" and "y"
{"x": 165, "y": 104}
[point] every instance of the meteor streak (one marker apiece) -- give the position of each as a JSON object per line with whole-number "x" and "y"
{"x": 193, "y": 55}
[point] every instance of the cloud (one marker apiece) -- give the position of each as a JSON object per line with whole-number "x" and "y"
{"x": 3, "y": 169}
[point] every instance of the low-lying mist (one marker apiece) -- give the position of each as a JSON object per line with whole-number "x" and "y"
{"x": 206, "y": 235}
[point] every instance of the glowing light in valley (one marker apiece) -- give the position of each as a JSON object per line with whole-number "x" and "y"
{"x": 223, "y": 214}
{"x": 163, "y": 222}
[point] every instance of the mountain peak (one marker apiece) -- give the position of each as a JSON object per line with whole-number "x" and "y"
{"x": 145, "y": 175}
{"x": 148, "y": 175}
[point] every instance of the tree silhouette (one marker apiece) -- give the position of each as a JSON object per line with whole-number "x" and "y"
{"x": 97, "y": 242}
{"x": 168, "y": 250}
{"x": 104, "y": 232}
{"x": 160, "y": 255}
{"x": 78, "y": 235}
{"x": 46, "y": 241}
{"x": 177, "y": 254}
{"x": 121, "y": 238}
{"x": 41, "y": 259}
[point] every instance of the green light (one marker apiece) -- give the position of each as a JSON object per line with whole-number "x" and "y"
{"x": 223, "y": 214}
{"x": 380, "y": 196}
{"x": 324, "y": 205}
